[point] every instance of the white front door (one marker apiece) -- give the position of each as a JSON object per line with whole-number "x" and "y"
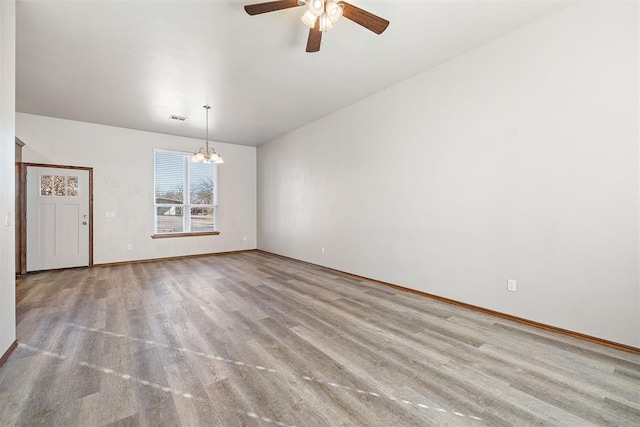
{"x": 57, "y": 218}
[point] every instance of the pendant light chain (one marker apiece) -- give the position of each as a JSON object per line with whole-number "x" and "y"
{"x": 207, "y": 131}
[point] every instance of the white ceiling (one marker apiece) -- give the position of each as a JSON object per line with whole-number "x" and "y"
{"x": 133, "y": 63}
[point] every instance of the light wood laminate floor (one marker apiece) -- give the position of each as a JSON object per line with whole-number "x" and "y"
{"x": 252, "y": 339}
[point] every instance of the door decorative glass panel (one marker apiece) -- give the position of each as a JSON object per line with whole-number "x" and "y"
{"x": 59, "y": 186}
{"x": 46, "y": 185}
{"x": 72, "y": 186}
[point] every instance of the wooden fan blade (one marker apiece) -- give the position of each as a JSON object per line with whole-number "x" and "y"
{"x": 364, "y": 18}
{"x": 315, "y": 36}
{"x": 270, "y": 6}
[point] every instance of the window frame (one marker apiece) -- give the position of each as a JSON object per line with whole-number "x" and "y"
{"x": 186, "y": 199}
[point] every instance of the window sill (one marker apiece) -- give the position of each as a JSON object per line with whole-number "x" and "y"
{"x": 196, "y": 234}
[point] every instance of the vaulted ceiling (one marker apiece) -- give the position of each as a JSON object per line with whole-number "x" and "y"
{"x": 133, "y": 63}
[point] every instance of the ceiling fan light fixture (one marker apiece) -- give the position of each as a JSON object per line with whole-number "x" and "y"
{"x": 321, "y": 15}
{"x": 316, "y": 7}
{"x": 334, "y": 10}
{"x": 309, "y": 19}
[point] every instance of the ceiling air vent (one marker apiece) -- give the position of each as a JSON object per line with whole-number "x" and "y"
{"x": 178, "y": 118}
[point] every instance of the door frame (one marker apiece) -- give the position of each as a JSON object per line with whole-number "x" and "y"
{"x": 22, "y": 197}
{"x": 20, "y": 206}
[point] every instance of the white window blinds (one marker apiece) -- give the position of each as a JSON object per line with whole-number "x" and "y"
{"x": 184, "y": 194}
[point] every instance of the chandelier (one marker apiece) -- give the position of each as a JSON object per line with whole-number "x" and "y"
{"x": 326, "y": 12}
{"x": 206, "y": 154}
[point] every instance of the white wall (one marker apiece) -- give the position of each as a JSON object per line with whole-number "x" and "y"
{"x": 7, "y": 174}
{"x": 123, "y": 183}
{"x": 517, "y": 160}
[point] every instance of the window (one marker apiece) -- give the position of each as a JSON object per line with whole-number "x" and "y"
{"x": 185, "y": 195}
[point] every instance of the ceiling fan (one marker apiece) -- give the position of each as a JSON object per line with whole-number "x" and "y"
{"x": 321, "y": 15}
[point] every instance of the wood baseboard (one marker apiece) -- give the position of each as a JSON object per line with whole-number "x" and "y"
{"x": 595, "y": 340}
{"x": 140, "y": 261}
{"x": 7, "y": 353}
{"x": 524, "y": 321}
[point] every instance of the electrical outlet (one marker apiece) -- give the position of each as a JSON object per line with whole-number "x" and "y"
{"x": 129, "y": 246}
{"x": 322, "y": 249}
{"x": 244, "y": 239}
{"x": 511, "y": 285}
